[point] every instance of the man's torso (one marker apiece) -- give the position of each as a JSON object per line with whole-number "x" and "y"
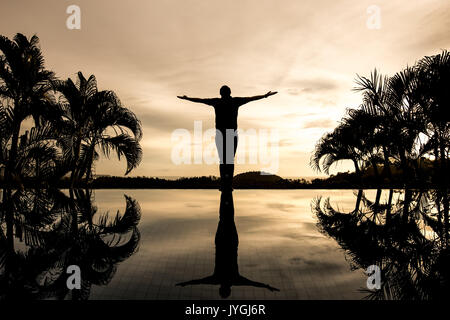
{"x": 226, "y": 113}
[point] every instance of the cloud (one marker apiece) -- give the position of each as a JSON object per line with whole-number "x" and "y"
{"x": 168, "y": 120}
{"x": 281, "y": 206}
{"x": 320, "y": 123}
{"x": 308, "y": 51}
{"x": 298, "y": 86}
{"x": 316, "y": 266}
{"x": 285, "y": 143}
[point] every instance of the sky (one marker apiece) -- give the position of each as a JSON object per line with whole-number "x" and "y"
{"x": 310, "y": 52}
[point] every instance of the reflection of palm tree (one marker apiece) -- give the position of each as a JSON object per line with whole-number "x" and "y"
{"x": 43, "y": 220}
{"x": 96, "y": 247}
{"x": 414, "y": 264}
{"x": 226, "y": 271}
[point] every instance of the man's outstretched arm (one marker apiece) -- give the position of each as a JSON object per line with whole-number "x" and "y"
{"x": 245, "y": 100}
{"x": 198, "y": 100}
{"x": 207, "y": 280}
{"x": 242, "y": 281}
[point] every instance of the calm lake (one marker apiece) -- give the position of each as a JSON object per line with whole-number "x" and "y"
{"x": 279, "y": 245}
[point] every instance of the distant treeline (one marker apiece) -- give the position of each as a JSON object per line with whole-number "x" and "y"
{"x": 254, "y": 180}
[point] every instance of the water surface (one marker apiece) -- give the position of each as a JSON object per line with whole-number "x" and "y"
{"x": 279, "y": 245}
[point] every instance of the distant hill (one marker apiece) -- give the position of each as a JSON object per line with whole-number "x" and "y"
{"x": 255, "y": 179}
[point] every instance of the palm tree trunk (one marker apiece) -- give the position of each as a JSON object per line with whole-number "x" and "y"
{"x": 444, "y": 183}
{"x": 9, "y": 170}
{"x": 9, "y": 217}
{"x": 73, "y": 207}
{"x": 75, "y": 161}
{"x": 358, "y": 200}
{"x": 404, "y": 166}
{"x": 90, "y": 161}
{"x": 357, "y": 170}
{"x": 406, "y": 203}
{"x": 387, "y": 166}
{"x": 443, "y": 173}
{"x": 436, "y": 164}
{"x": 7, "y": 201}
{"x": 388, "y": 210}
{"x": 446, "y": 217}
{"x": 377, "y": 197}
{"x": 375, "y": 170}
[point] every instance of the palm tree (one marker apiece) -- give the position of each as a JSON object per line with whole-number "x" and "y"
{"x": 5, "y": 133}
{"x": 24, "y": 84}
{"x": 37, "y": 157}
{"x": 93, "y": 119}
{"x": 363, "y": 133}
{"x": 433, "y": 75}
{"x": 110, "y": 116}
{"x": 333, "y": 147}
{"x": 406, "y": 121}
{"x": 360, "y": 135}
{"x": 373, "y": 113}
{"x": 384, "y": 128}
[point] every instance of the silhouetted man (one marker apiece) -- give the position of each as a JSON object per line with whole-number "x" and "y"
{"x": 226, "y": 270}
{"x": 226, "y": 109}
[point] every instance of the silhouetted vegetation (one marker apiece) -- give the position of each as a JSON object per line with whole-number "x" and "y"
{"x": 251, "y": 180}
{"x": 73, "y": 121}
{"x": 402, "y": 123}
{"x": 248, "y": 180}
{"x": 50, "y": 231}
{"x": 407, "y": 238}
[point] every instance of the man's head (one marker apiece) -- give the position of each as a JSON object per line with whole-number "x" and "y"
{"x": 224, "y": 291}
{"x": 225, "y": 92}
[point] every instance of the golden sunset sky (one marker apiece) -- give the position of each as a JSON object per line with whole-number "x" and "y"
{"x": 149, "y": 52}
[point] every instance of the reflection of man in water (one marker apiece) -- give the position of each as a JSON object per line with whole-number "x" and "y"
{"x": 226, "y": 109}
{"x": 226, "y": 270}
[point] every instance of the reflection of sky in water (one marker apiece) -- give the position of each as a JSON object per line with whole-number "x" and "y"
{"x": 278, "y": 244}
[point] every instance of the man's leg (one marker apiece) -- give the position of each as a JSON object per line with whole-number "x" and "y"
{"x": 226, "y": 143}
{"x": 221, "y": 150}
{"x": 235, "y": 142}
{"x": 230, "y": 147}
